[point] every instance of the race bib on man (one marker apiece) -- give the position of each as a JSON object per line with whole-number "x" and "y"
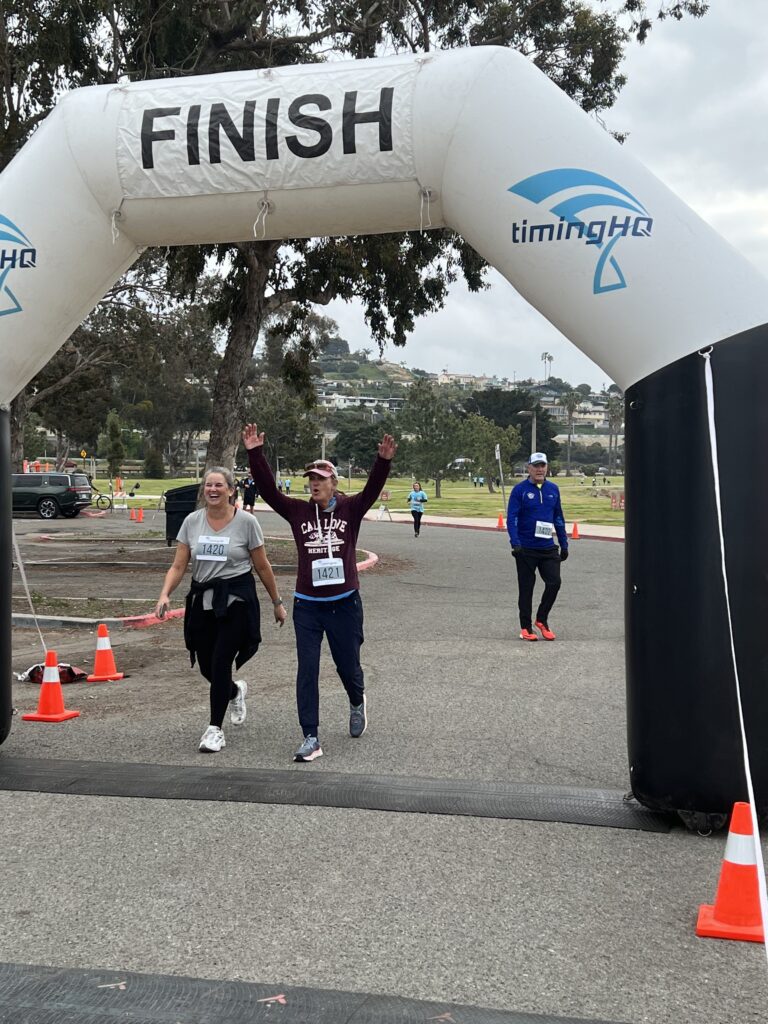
{"x": 327, "y": 571}
{"x": 544, "y": 529}
{"x": 212, "y": 549}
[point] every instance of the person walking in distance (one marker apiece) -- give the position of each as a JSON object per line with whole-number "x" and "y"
{"x": 222, "y": 617}
{"x": 327, "y": 601}
{"x": 416, "y": 501}
{"x": 534, "y": 517}
{"x": 249, "y": 494}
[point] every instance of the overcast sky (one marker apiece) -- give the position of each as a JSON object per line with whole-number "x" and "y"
{"x": 696, "y": 107}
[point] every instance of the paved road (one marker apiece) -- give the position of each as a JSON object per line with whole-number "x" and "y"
{"x": 544, "y": 918}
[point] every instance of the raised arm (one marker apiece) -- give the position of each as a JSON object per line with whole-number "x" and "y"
{"x": 261, "y": 471}
{"x": 378, "y": 475}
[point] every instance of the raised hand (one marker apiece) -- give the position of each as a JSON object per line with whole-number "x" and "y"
{"x": 387, "y": 447}
{"x": 251, "y": 436}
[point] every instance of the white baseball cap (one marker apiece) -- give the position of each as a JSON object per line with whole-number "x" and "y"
{"x": 537, "y": 457}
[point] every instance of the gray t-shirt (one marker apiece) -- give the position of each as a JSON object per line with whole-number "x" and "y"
{"x": 223, "y": 553}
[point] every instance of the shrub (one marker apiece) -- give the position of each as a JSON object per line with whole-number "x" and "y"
{"x": 154, "y": 467}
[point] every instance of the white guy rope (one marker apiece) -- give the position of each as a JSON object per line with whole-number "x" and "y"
{"x": 710, "y": 388}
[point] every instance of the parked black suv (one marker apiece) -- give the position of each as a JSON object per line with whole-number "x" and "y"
{"x": 49, "y": 494}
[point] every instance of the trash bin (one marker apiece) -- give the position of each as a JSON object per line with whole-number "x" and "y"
{"x": 179, "y": 502}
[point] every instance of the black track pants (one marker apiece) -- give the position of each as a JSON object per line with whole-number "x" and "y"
{"x": 548, "y": 564}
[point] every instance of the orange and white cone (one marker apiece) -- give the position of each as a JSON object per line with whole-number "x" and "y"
{"x": 500, "y": 522}
{"x": 140, "y": 516}
{"x": 104, "y": 667}
{"x": 50, "y": 706}
{"x": 736, "y": 911}
{"x": 575, "y": 532}
{"x": 132, "y": 515}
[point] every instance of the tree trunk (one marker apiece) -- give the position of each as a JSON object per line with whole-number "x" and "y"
{"x": 18, "y": 416}
{"x": 438, "y": 481}
{"x": 62, "y": 450}
{"x": 229, "y": 390}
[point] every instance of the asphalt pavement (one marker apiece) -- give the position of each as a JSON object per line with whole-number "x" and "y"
{"x": 544, "y": 918}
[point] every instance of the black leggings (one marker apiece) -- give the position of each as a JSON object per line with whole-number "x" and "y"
{"x": 416, "y": 513}
{"x": 216, "y": 644}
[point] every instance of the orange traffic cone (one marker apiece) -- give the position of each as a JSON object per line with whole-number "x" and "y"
{"x": 140, "y": 516}
{"x": 104, "y": 667}
{"x": 500, "y": 523}
{"x": 132, "y": 516}
{"x": 575, "y": 532}
{"x": 50, "y": 706}
{"x": 736, "y": 912}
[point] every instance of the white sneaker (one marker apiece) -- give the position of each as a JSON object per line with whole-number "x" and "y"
{"x": 212, "y": 740}
{"x": 237, "y": 708}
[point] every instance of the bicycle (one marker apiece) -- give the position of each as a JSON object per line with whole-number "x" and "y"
{"x": 103, "y": 502}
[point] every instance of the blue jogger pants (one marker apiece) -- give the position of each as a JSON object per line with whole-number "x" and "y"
{"x": 342, "y": 622}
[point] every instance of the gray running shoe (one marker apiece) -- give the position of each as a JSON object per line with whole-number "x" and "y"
{"x": 309, "y": 749}
{"x": 237, "y": 708}
{"x": 358, "y": 719}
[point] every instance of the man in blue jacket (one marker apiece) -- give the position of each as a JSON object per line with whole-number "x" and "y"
{"x": 534, "y": 516}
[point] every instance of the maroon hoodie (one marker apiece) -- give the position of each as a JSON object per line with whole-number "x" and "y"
{"x": 312, "y": 526}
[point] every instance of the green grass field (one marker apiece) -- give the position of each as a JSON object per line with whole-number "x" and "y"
{"x": 581, "y": 501}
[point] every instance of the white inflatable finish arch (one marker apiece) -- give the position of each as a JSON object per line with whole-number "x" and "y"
{"x": 476, "y": 140}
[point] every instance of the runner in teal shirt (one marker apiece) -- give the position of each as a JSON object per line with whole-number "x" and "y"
{"x": 416, "y": 500}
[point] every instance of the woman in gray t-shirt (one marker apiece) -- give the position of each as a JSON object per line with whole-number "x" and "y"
{"x": 222, "y": 613}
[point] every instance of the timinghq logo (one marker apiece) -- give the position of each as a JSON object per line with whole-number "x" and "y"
{"x": 16, "y": 253}
{"x": 561, "y": 185}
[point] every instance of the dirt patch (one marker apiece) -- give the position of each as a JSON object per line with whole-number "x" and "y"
{"x": 158, "y": 670}
{"x": 96, "y": 578}
{"x": 391, "y": 565}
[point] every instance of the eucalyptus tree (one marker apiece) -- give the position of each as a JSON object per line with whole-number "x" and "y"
{"x": 431, "y": 419}
{"x": 479, "y": 438}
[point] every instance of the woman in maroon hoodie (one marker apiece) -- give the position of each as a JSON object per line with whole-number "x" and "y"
{"x": 326, "y": 600}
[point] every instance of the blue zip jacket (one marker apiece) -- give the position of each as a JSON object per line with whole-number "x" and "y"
{"x": 529, "y": 504}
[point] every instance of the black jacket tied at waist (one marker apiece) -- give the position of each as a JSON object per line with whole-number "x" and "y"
{"x": 244, "y": 587}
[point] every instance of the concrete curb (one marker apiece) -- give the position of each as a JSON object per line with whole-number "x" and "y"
{"x": 490, "y": 526}
{"x": 135, "y": 621}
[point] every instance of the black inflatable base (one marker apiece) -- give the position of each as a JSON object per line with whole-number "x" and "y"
{"x": 47, "y": 995}
{"x": 410, "y": 795}
{"x": 684, "y": 739}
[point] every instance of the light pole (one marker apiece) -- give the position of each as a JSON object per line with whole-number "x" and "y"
{"x": 351, "y": 458}
{"x": 532, "y": 414}
{"x": 501, "y": 478}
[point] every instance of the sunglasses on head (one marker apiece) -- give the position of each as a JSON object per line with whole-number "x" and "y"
{"x": 319, "y": 464}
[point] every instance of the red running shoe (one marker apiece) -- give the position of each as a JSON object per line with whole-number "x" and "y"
{"x": 527, "y": 634}
{"x": 545, "y": 631}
